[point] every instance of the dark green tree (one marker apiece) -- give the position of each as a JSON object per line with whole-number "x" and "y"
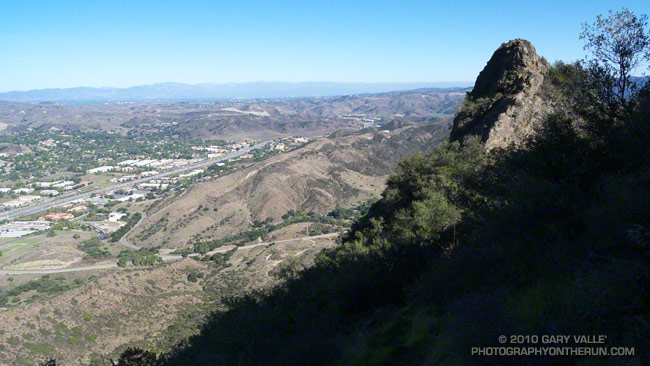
{"x": 137, "y": 357}
{"x": 618, "y": 44}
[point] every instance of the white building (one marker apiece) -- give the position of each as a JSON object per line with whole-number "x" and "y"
{"x": 153, "y": 185}
{"x": 17, "y": 229}
{"x": 128, "y": 162}
{"x": 132, "y": 197}
{"x": 101, "y": 169}
{"x": 49, "y": 192}
{"x": 192, "y": 173}
{"x": 149, "y": 173}
{"x": 47, "y": 184}
{"x": 63, "y": 184}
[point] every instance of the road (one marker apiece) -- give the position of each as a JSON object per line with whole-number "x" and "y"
{"x": 165, "y": 257}
{"x": 62, "y": 270}
{"x": 168, "y": 257}
{"x": 251, "y": 246}
{"x": 125, "y": 242}
{"x": 10, "y": 215}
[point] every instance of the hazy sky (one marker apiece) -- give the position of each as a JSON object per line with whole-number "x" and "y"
{"x": 60, "y": 43}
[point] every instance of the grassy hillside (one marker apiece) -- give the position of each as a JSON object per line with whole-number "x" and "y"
{"x": 90, "y": 316}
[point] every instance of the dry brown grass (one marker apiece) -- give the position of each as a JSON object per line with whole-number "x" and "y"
{"x": 138, "y": 305}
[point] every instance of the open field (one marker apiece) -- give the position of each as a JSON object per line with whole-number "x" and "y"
{"x": 38, "y": 251}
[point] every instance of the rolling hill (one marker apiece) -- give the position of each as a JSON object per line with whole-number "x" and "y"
{"x": 343, "y": 169}
{"x": 258, "y": 119}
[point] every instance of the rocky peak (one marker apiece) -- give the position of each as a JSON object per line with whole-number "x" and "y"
{"x": 506, "y": 103}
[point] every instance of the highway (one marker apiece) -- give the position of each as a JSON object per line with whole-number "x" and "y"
{"x": 10, "y": 215}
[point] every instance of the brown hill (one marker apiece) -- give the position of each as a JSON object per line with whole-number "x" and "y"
{"x": 343, "y": 169}
{"x": 256, "y": 119}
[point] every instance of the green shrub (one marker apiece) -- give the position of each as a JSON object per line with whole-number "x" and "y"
{"x": 40, "y": 348}
{"x": 87, "y": 316}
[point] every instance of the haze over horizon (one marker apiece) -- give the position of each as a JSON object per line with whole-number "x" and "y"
{"x": 170, "y": 92}
{"x": 425, "y": 84}
{"x": 120, "y": 44}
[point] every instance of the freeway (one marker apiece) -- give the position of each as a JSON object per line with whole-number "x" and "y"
{"x": 10, "y": 215}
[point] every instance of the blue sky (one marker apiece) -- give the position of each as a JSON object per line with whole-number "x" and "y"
{"x": 124, "y": 43}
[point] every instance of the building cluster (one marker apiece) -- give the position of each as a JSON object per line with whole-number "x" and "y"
{"x": 60, "y": 184}
{"x": 217, "y": 151}
{"x": 128, "y": 178}
{"x": 286, "y": 143}
{"x": 161, "y": 164}
{"x": 18, "y": 202}
{"x": 132, "y": 165}
{"x": 37, "y": 190}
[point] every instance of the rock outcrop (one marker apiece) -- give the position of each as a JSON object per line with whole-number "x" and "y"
{"x": 507, "y": 101}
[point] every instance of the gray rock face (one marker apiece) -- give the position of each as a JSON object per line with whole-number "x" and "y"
{"x": 507, "y": 100}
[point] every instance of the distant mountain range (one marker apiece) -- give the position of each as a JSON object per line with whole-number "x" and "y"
{"x": 207, "y": 92}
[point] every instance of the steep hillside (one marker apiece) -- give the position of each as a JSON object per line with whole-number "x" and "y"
{"x": 149, "y": 307}
{"x": 344, "y": 169}
{"x": 467, "y": 244}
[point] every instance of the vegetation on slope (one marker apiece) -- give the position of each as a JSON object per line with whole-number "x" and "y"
{"x": 550, "y": 237}
{"x": 459, "y": 251}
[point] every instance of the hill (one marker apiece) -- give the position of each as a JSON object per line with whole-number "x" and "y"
{"x": 547, "y": 236}
{"x": 211, "y": 92}
{"x": 343, "y": 169}
{"x": 155, "y": 307}
{"x": 256, "y": 119}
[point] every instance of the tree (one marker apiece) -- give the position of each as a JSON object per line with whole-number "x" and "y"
{"x": 137, "y": 357}
{"x": 192, "y": 277}
{"x": 618, "y": 44}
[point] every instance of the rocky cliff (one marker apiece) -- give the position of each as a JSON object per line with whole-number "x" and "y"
{"x": 507, "y": 101}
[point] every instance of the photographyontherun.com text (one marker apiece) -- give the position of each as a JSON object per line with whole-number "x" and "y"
{"x": 553, "y": 345}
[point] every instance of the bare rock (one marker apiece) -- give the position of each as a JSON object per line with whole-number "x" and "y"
{"x": 507, "y": 101}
